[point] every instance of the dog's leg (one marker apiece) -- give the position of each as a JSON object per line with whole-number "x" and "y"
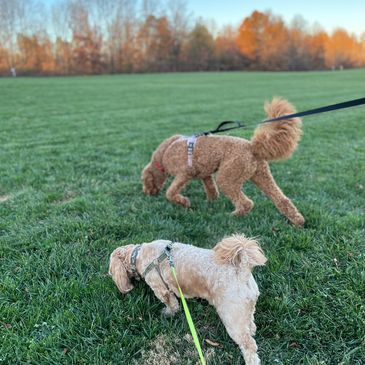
{"x": 231, "y": 187}
{"x": 173, "y": 192}
{"x": 237, "y": 317}
{"x": 210, "y": 188}
{"x": 264, "y": 180}
{"x": 251, "y": 310}
{"x": 166, "y": 296}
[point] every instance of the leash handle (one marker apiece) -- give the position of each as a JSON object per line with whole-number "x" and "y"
{"x": 185, "y": 306}
{"x": 225, "y": 123}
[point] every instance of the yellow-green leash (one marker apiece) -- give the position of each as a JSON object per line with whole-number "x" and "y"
{"x": 185, "y": 306}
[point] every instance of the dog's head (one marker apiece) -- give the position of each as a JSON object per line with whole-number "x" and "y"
{"x": 119, "y": 268}
{"x": 153, "y": 179}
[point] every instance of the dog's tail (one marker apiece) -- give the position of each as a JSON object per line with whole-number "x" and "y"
{"x": 239, "y": 250}
{"x": 277, "y": 140}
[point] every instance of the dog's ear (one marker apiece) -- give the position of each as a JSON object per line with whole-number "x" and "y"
{"x": 148, "y": 181}
{"x": 153, "y": 180}
{"x": 118, "y": 272}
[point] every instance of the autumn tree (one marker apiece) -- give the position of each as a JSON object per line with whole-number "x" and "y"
{"x": 117, "y": 36}
{"x": 164, "y": 45}
{"x": 63, "y": 56}
{"x": 35, "y": 55}
{"x": 116, "y": 21}
{"x": 342, "y": 50}
{"x": 315, "y": 48}
{"x": 227, "y": 52}
{"x": 297, "y": 46}
{"x": 86, "y": 41}
{"x": 263, "y": 39}
{"x": 154, "y": 45}
{"x": 200, "y": 49}
{"x": 179, "y": 21}
{"x": 17, "y": 17}
{"x": 4, "y": 57}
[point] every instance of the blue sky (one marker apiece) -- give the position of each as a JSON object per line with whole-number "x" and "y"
{"x": 349, "y": 14}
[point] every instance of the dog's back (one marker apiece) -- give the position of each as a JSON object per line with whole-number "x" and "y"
{"x": 208, "y": 154}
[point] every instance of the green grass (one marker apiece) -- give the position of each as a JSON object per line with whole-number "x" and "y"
{"x": 71, "y": 154}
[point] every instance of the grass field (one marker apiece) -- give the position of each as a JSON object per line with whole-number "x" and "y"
{"x": 72, "y": 150}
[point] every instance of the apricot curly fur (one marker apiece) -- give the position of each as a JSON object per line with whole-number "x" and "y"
{"x": 277, "y": 140}
{"x": 226, "y": 163}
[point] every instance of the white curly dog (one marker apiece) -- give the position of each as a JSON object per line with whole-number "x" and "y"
{"x": 222, "y": 276}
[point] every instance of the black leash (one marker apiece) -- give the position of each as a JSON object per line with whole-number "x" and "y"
{"x": 220, "y": 129}
{"x": 323, "y": 109}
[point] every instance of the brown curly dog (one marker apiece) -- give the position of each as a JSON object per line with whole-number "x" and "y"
{"x": 233, "y": 159}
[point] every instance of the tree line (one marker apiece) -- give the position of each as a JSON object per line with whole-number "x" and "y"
{"x": 76, "y": 37}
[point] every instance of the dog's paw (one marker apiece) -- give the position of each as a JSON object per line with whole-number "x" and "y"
{"x": 212, "y": 196}
{"x": 151, "y": 190}
{"x": 185, "y": 202}
{"x": 239, "y": 212}
{"x": 251, "y": 358}
{"x": 298, "y": 220}
{"x": 168, "y": 312}
{"x": 243, "y": 210}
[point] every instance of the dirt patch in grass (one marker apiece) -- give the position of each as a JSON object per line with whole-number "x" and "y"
{"x": 4, "y": 198}
{"x": 161, "y": 352}
{"x": 165, "y": 350}
{"x": 68, "y": 197}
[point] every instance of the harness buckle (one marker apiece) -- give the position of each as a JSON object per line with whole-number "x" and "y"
{"x": 168, "y": 250}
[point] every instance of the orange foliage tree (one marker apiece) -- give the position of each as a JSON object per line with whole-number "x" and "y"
{"x": 270, "y": 45}
{"x": 227, "y": 52}
{"x": 154, "y": 45}
{"x": 116, "y": 36}
{"x": 343, "y": 50}
{"x": 263, "y": 39}
{"x": 315, "y": 49}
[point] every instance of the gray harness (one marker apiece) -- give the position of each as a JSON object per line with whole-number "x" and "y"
{"x": 134, "y": 256}
{"x": 190, "y": 141}
{"x": 155, "y": 264}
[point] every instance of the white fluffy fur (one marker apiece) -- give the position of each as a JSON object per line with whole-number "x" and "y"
{"x": 222, "y": 276}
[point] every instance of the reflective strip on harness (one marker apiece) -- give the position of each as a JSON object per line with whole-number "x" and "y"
{"x": 190, "y": 141}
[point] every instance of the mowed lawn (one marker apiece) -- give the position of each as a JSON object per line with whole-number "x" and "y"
{"x": 71, "y": 155}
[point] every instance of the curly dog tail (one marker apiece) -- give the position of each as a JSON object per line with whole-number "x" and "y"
{"x": 238, "y": 250}
{"x": 277, "y": 140}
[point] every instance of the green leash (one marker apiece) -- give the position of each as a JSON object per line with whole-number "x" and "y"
{"x": 185, "y": 306}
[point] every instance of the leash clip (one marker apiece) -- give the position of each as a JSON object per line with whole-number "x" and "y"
{"x": 168, "y": 250}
